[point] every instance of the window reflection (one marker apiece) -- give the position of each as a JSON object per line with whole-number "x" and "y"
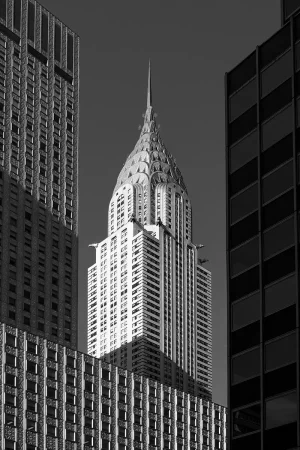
{"x": 277, "y": 154}
{"x": 281, "y": 410}
{"x": 244, "y": 393}
{"x": 276, "y": 74}
{"x": 246, "y": 366}
{"x": 246, "y": 311}
{"x": 278, "y": 182}
{"x": 277, "y": 128}
{"x": 243, "y": 100}
{"x": 278, "y": 209}
{"x": 243, "y": 177}
{"x": 279, "y": 265}
{"x": 290, "y": 6}
{"x": 244, "y": 151}
{"x": 276, "y": 100}
{"x": 244, "y": 230}
{"x": 246, "y": 420}
{"x": 244, "y": 203}
{"x": 276, "y": 45}
{"x": 243, "y": 125}
{"x": 245, "y": 338}
{"x": 279, "y": 237}
{"x": 244, "y": 284}
{"x": 280, "y": 352}
{"x": 242, "y": 73}
{"x": 273, "y": 380}
{"x": 244, "y": 257}
{"x": 280, "y": 323}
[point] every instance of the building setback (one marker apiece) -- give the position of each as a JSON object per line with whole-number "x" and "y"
{"x": 262, "y": 170}
{"x": 39, "y": 84}
{"x": 58, "y": 398}
{"x": 149, "y": 297}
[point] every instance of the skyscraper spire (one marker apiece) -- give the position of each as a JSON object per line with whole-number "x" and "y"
{"x": 149, "y": 92}
{"x": 149, "y": 213}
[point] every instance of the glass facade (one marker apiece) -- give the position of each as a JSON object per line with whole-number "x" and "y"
{"x": 288, "y": 7}
{"x": 262, "y": 147}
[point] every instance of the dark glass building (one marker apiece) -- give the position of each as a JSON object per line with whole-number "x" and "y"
{"x": 263, "y": 203}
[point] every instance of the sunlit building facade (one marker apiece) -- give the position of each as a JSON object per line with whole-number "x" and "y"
{"x": 57, "y": 398}
{"x": 149, "y": 296}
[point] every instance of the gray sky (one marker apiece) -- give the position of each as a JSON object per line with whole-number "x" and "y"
{"x": 191, "y": 45}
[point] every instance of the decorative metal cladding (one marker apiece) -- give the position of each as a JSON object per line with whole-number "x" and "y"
{"x": 106, "y": 383}
{"x": 159, "y": 415}
{"x": 9, "y": 433}
{"x": 122, "y": 388}
{"x": 106, "y": 401}
{"x": 42, "y": 393}
{"x": 21, "y": 387}
{"x": 11, "y": 350}
{"x": 145, "y": 400}
{"x": 61, "y": 397}
{"x": 173, "y": 415}
{"x": 97, "y": 403}
{"x": 114, "y": 378}
{"x": 186, "y": 404}
{"x": 80, "y": 401}
{"x": 89, "y": 395}
{"x": 150, "y": 163}
{"x": 84, "y": 434}
{"x": 130, "y": 411}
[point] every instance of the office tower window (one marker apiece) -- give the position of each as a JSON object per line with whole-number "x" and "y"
{"x": 3, "y": 6}
{"x": 245, "y": 257}
{"x": 280, "y": 352}
{"x": 17, "y": 15}
{"x": 31, "y": 21}
{"x": 70, "y": 52}
{"x": 280, "y": 295}
{"x": 44, "y": 32}
{"x": 262, "y": 241}
{"x": 281, "y": 410}
{"x": 289, "y": 7}
{"x": 243, "y": 100}
{"x": 246, "y": 311}
{"x": 57, "y": 42}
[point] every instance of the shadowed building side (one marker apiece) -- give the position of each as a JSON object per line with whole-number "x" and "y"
{"x": 262, "y": 177}
{"x": 39, "y": 87}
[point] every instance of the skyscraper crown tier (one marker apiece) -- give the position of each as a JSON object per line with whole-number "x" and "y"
{"x": 149, "y": 298}
{"x": 150, "y": 163}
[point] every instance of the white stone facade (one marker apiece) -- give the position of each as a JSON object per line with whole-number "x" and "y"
{"x": 149, "y": 297}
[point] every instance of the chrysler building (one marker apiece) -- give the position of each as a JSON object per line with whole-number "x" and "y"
{"x": 149, "y": 297}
